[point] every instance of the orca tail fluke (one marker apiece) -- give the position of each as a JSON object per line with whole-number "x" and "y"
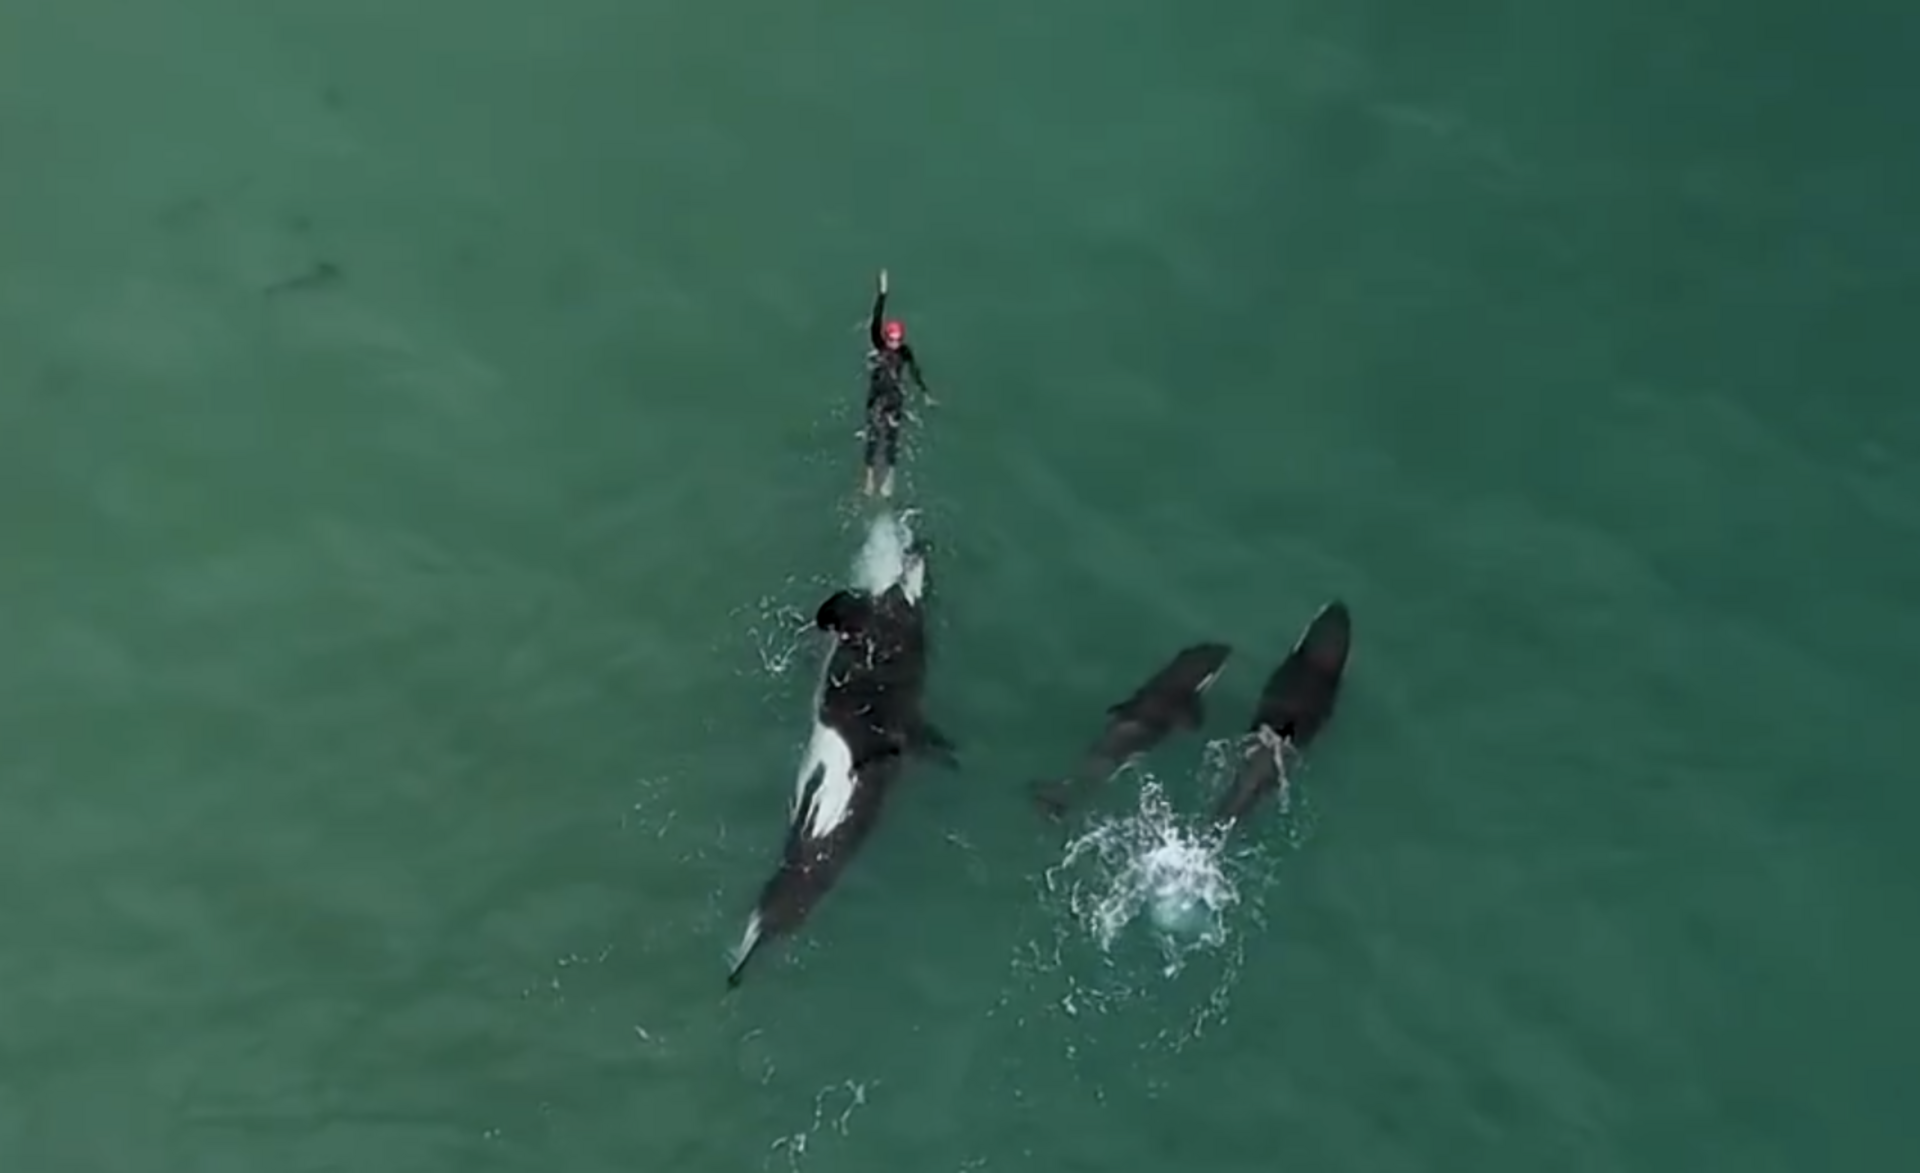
{"x": 743, "y": 952}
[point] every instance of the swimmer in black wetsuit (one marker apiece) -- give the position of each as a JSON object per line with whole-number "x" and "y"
{"x": 888, "y": 364}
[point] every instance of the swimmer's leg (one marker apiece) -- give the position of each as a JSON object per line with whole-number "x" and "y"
{"x": 876, "y": 425}
{"x": 891, "y": 429}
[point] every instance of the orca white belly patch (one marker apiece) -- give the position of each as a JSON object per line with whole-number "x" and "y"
{"x": 829, "y": 797}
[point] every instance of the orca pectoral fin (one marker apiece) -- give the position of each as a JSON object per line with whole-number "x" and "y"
{"x": 1051, "y": 798}
{"x": 930, "y": 743}
{"x": 1193, "y": 713}
{"x": 880, "y": 754}
{"x": 1055, "y": 800}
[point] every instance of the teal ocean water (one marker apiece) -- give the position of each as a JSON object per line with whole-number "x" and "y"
{"x": 423, "y": 423}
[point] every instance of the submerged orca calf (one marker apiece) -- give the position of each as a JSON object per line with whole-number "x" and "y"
{"x": 868, "y": 719}
{"x": 1297, "y": 702}
{"x": 1169, "y": 700}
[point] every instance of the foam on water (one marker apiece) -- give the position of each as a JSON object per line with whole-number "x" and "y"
{"x": 1142, "y": 944}
{"x": 1148, "y": 915}
{"x": 882, "y": 560}
{"x": 1147, "y": 868}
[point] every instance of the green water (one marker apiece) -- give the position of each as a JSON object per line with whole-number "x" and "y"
{"x": 395, "y": 719}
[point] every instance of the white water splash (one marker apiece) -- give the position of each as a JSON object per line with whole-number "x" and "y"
{"x": 1147, "y": 866}
{"x": 1147, "y": 931}
{"x": 883, "y": 559}
{"x": 776, "y": 629}
{"x": 1149, "y": 915}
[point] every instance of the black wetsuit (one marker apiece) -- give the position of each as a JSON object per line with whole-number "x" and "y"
{"x": 886, "y": 388}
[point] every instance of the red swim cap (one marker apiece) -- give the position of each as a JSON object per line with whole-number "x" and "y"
{"x": 894, "y": 331}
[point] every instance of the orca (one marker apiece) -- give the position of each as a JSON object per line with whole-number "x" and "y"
{"x": 1170, "y": 700}
{"x": 868, "y": 721}
{"x": 1295, "y": 705}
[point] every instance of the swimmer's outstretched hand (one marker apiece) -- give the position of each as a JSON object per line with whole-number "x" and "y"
{"x": 883, "y": 280}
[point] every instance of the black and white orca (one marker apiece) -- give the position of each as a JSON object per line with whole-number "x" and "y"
{"x": 868, "y": 722}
